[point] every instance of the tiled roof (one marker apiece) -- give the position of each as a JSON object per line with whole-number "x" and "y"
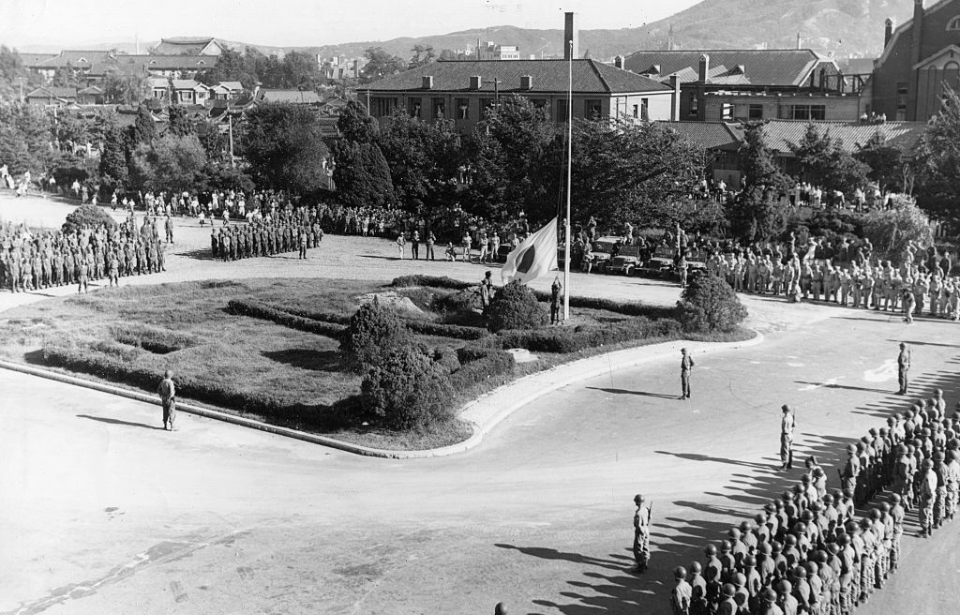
{"x": 231, "y": 85}
{"x": 30, "y": 60}
{"x": 770, "y": 67}
{"x": 547, "y": 76}
{"x": 182, "y": 45}
{"x": 778, "y": 133}
{"x": 710, "y": 135}
{"x": 179, "y": 62}
{"x": 188, "y": 84}
{"x": 48, "y": 91}
{"x": 77, "y": 58}
{"x": 91, "y": 90}
{"x": 307, "y": 97}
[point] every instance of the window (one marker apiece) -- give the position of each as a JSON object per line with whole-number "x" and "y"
{"x": 539, "y": 103}
{"x": 902, "y": 92}
{"x": 485, "y": 105}
{"x": 755, "y": 112}
{"x": 380, "y": 107}
{"x": 415, "y": 107}
{"x": 805, "y": 112}
{"x": 463, "y": 108}
{"x": 592, "y": 109}
{"x": 438, "y": 108}
{"x": 562, "y": 110}
{"x": 954, "y": 23}
{"x": 636, "y": 111}
{"x": 645, "y": 108}
{"x": 694, "y": 105}
{"x": 726, "y": 111}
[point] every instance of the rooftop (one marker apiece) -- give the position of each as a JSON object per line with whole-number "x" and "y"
{"x": 770, "y": 67}
{"x": 546, "y": 75}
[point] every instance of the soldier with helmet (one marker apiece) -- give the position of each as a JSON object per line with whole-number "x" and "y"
{"x": 641, "y": 533}
{"x": 682, "y": 594}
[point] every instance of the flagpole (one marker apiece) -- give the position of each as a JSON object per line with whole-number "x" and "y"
{"x": 566, "y": 230}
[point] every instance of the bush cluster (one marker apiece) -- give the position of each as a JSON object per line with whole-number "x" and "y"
{"x": 431, "y": 281}
{"x": 257, "y": 309}
{"x": 514, "y": 306}
{"x": 374, "y": 333}
{"x": 708, "y": 304}
{"x": 87, "y": 216}
{"x": 408, "y": 390}
{"x": 416, "y": 325}
{"x": 152, "y": 339}
{"x": 478, "y": 364}
{"x": 627, "y": 308}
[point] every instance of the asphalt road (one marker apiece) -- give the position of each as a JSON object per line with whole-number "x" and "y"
{"x": 103, "y": 512}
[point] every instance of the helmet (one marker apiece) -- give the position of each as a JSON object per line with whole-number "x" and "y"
{"x": 729, "y": 590}
{"x": 828, "y": 499}
{"x": 896, "y": 498}
{"x": 760, "y": 518}
{"x": 745, "y": 526}
{"x": 875, "y": 514}
{"x": 807, "y": 515}
{"x": 865, "y": 523}
{"x": 769, "y": 595}
{"x": 696, "y": 568}
{"x": 680, "y": 572}
{"x": 804, "y": 479}
{"x": 822, "y": 557}
{"x": 843, "y": 539}
{"x": 638, "y": 498}
{"x": 739, "y": 579}
{"x": 777, "y": 547}
{"x": 812, "y": 567}
{"x": 927, "y": 464}
{"x": 784, "y": 587}
{"x": 734, "y": 533}
{"x": 725, "y": 546}
{"x": 814, "y": 507}
{"x": 848, "y": 492}
{"x": 749, "y": 561}
{"x": 799, "y": 573}
{"x": 791, "y": 540}
{"x": 885, "y": 507}
{"x": 851, "y": 448}
{"x": 710, "y": 550}
{"x": 765, "y": 548}
{"x": 938, "y": 456}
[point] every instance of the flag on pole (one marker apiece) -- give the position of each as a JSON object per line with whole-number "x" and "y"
{"x": 535, "y": 256}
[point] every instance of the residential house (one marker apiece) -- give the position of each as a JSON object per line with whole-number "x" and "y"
{"x": 721, "y": 142}
{"x": 159, "y": 88}
{"x": 189, "y": 92}
{"x": 463, "y": 91}
{"x": 78, "y": 61}
{"x": 91, "y": 95}
{"x": 52, "y": 96}
{"x": 175, "y": 67}
{"x": 226, "y": 90}
{"x": 188, "y": 46}
{"x": 920, "y": 58}
{"x": 754, "y": 83}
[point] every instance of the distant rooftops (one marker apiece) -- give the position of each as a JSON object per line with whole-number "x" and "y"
{"x": 765, "y": 67}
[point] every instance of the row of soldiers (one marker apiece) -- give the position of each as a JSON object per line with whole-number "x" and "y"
{"x": 265, "y": 238}
{"x": 36, "y": 261}
{"x": 807, "y": 552}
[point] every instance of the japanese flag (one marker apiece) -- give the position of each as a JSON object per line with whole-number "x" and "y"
{"x": 534, "y": 257}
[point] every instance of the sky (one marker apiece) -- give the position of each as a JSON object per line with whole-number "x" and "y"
{"x": 69, "y": 23}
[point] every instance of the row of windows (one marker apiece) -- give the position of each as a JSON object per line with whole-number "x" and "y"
{"x": 592, "y": 109}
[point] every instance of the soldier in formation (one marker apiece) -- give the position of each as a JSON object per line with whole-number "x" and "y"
{"x": 808, "y": 551}
{"x": 297, "y": 230}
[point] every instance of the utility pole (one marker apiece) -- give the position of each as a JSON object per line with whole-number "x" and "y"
{"x": 233, "y": 162}
{"x": 566, "y": 229}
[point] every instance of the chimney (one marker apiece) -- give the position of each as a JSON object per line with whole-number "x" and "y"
{"x": 917, "y": 29}
{"x": 704, "y": 68}
{"x": 476, "y": 82}
{"x": 888, "y": 27}
{"x": 427, "y": 82}
{"x": 675, "y": 98}
{"x": 799, "y": 41}
{"x": 570, "y": 35}
{"x": 526, "y": 82}
{"x": 618, "y": 62}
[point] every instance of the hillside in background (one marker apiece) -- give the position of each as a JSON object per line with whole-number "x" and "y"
{"x": 845, "y": 28}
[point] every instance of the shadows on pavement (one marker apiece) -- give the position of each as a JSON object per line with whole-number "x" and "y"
{"x": 629, "y": 392}
{"x": 102, "y": 419}
{"x": 827, "y": 385}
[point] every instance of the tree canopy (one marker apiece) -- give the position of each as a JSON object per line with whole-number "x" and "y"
{"x": 937, "y": 162}
{"x": 285, "y": 148}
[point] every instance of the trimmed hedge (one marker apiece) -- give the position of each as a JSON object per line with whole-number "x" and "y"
{"x": 416, "y": 325}
{"x": 152, "y": 339}
{"x": 431, "y": 281}
{"x": 111, "y": 361}
{"x": 478, "y": 364}
{"x": 628, "y": 308}
{"x": 563, "y": 340}
{"x": 258, "y": 309}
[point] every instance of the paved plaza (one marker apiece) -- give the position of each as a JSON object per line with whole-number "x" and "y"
{"x": 101, "y": 511}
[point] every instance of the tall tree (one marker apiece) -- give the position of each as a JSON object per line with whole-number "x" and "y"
{"x": 422, "y": 55}
{"x": 113, "y": 160}
{"x": 423, "y": 159}
{"x": 380, "y": 64}
{"x": 884, "y": 160}
{"x": 179, "y": 122}
{"x": 170, "y": 163}
{"x": 361, "y": 174}
{"x": 26, "y": 139}
{"x": 144, "y": 127}
{"x": 285, "y": 148}
{"x": 937, "y": 163}
{"x": 824, "y": 161}
{"x": 757, "y": 212}
{"x": 125, "y": 87}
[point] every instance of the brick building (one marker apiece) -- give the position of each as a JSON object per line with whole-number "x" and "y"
{"x": 918, "y": 59}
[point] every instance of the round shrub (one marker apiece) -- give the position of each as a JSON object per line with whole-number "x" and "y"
{"x": 87, "y": 216}
{"x": 709, "y": 304}
{"x": 374, "y": 332}
{"x": 515, "y": 307}
{"x": 409, "y": 391}
{"x": 446, "y": 357}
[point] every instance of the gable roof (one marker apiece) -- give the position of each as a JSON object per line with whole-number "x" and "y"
{"x": 179, "y": 62}
{"x": 188, "y": 84}
{"x": 53, "y": 92}
{"x": 765, "y": 67}
{"x": 77, "y": 58}
{"x": 907, "y": 25}
{"x": 547, "y": 76}
{"x": 91, "y": 90}
{"x": 949, "y": 50}
{"x": 30, "y": 60}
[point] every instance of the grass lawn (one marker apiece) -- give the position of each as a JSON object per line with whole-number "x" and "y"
{"x": 253, "y": 366}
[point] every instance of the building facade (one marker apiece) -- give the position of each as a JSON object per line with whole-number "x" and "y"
{"x": 463, "y": 91}
{"x": 919, "y": 59}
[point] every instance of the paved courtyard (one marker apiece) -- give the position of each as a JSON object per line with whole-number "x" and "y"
{"x": 103, "y": 512}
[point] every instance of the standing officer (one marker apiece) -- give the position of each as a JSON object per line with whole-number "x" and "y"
{"x": 686, "y": 366}
{"x": 641, "y": 533}
{"x": 556, "y": 299}
{"x": 903, "y": 367}
{"x": 787, "y": 424}
{"x": 415, "y": 245}
{"x": 168, "y": 398}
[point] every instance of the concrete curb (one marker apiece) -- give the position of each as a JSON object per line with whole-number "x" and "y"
{"x": 483, "y": 413}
